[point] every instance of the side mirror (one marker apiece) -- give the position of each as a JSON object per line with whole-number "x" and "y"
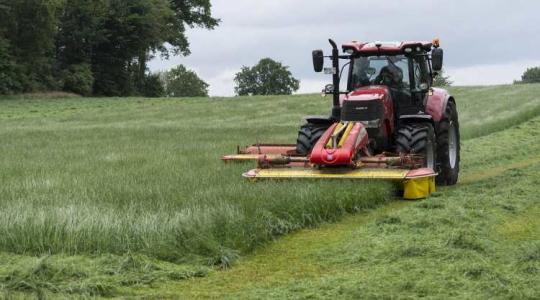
{"x": 437, "y": 59}
{"x": 328, "y": 89}
{"x": 318, "y": 60}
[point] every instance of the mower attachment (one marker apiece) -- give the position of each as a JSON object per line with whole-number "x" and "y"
{"x": 341, "y": 153}
{"x": 418, "y": 183}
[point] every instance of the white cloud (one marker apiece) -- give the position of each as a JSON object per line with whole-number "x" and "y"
{"x": 479, "y": 37}
{"x": 310, "y": 86}
{"x": 490, "y": 74}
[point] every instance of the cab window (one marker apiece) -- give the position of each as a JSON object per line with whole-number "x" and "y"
{"x": 371, "y": 70}
{"x": 420, "y": 70}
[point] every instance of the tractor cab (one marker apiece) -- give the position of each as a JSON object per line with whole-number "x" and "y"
{"x": 406, "y": 69}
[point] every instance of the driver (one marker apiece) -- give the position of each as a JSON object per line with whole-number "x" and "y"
{"x": 391, "y": 76}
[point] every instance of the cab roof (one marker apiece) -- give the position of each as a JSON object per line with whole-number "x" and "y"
{"x": 390, "y": 48}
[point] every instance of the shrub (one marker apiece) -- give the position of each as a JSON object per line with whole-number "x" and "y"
{"x": 8, "y": 76}
{"x": 531, "y": 75}
{"x": 153, "y": 87}
{"x": 181, "y": 82}
{"x": 268, "y": 77}
{"x": 78, "y": 79}
{"x": 442, "y": 80}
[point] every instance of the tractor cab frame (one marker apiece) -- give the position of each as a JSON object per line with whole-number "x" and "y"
{"x": 423, "y": 60}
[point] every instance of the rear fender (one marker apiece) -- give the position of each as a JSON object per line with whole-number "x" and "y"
{"x": 407, "y": 119}
{"x": 436, "y": 104}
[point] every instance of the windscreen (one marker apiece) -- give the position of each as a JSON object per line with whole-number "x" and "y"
{"x": 392, "y": 71}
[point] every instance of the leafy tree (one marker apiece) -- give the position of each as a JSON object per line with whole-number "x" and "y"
{"x": 81, "y": 28}
{"x": 30, "y": 27}
{"x": 153, "y": 87}
{"x": 137, "y": 29}
{"x": 268, "y": 77}
{"x": 531, "y": 75}
{"x": 191, "y": 13}
{"x": 8, "y": 77}
{"x": 181, "y": 82}
{"x": 78, "y": 79}
{"x": 442, "y": 80}
{"x": 49, "y": 40}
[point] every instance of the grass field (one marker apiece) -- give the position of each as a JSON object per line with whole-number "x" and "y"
{"x": 102, "y": 195}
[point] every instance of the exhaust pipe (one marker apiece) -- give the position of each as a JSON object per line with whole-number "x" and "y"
{"x": 336, "y": 108}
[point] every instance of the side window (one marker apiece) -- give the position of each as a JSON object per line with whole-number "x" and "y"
{"x": 420, "y": 71}
{"x": 403, "y": 65}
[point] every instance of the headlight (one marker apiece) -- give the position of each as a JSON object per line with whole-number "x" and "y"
{"x": 372, "y": 124}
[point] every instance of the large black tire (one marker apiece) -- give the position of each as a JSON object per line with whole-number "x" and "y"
{"x": 448, "y": 146}
{"x": 418, "y": 139}
{"x": 308, "y": 136}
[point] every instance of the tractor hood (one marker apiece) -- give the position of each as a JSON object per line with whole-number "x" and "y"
{"x": 371, "y": 105}
{"x": 368, "y": 93}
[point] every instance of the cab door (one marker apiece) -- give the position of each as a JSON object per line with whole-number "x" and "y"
{"x": 420, "y": 83}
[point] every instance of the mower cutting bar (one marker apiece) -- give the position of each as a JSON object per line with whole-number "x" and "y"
{"x": 328, "y": 174}
{"x": 417, "y": 183}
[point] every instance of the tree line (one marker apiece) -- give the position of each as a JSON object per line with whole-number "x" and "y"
{"x": 93, "y": 47}
{"x": 102, "y": 47}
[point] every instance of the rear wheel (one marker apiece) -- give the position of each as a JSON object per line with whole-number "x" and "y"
{"x": 448, "y": 150}
{"x": 308, "y": 135}
{"x": 418, "y": 139}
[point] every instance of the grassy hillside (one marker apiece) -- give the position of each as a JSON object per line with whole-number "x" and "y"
{"x": 102, "y": 193}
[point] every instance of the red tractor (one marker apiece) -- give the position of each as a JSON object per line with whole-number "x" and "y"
{"x": 390, "y": 91}
{"x": 390, "y": 122}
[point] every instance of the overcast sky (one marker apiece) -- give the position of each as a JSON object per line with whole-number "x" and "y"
{"x": 485, "y": 41}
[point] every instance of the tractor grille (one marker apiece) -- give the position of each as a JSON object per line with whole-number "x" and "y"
{"x": 362, "y": 110}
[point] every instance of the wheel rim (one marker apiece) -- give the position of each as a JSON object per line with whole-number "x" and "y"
{"x": 430, "y": 156}
{"x": 452, "y": 145}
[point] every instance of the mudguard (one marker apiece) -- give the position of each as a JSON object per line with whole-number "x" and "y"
{"x": 436, "y": 103}
{"x": 319, "y": 120}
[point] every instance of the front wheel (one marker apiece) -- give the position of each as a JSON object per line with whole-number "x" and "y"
{"x": 418, "y": 139}
{"x": 448, "y": 150}
{"x": 308, "y": 135}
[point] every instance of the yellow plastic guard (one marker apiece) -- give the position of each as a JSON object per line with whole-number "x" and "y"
{"x": 417, "y": 184}
{"x": 418, "y": 188}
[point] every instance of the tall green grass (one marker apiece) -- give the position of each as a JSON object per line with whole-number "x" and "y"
{"x": 108, "y": 189}
{"x": 488, "y": 109}
{"x": 94, "y": 176}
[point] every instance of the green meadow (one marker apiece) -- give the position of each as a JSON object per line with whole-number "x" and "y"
{"x": 128, "y": 197}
